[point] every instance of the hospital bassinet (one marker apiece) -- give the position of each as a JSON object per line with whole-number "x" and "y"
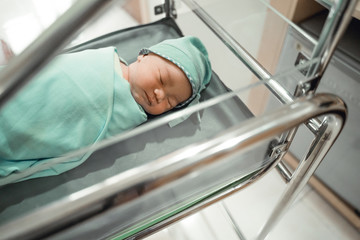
{"x": 143, "y": 180}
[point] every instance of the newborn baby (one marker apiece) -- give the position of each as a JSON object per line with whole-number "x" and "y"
{"x": 84, "y": 97}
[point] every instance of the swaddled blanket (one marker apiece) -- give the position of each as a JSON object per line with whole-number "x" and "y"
{"x": 76, "y": 101}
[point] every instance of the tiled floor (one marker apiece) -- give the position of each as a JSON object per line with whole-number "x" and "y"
{"x": 310, "y": 217}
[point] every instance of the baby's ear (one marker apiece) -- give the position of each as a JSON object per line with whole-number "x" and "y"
{"x": 140, "y": 57}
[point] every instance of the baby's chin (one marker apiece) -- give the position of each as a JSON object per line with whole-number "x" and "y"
{"x": 153, "y": 111}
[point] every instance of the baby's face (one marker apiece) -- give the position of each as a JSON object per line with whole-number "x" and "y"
{"x": 157, "y": 84}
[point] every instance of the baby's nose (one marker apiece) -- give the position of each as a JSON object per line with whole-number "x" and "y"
{"x": 160, "y": 95}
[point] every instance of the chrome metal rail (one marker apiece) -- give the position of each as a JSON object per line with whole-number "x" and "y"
{"x": 336, "y": 23}
{"x": 23, "y": 67}
{"x": 170, "y": 168}
{"x": 339, "y": 17}
{"x": 239, "y": 51}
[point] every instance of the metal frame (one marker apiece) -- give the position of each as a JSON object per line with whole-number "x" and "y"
{"x": 170, "y": 168}
{"x": 256, "y": 130}
{"x": 23, "y": 67}
{"x": 338, "y": 19}
{"x": 340, "y": 14}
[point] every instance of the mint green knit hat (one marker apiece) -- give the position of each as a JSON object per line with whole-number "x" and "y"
{"x": 191, "y": 56}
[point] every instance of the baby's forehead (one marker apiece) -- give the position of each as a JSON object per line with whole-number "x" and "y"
{"x": 165, "y": 63}
{"x": 162, "y": 59}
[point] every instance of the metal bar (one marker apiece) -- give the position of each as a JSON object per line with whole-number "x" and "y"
{"x": 328, "y": 29}
{"x": 232, "y": 221}
{"x": 326, "y": 3}
{"x": 324, "y": 49}
{"x": 303, "y": 33}
{"x": 284, "y": 171}
{"x": 338, "y": 19}
{"x": 281, "y": 93}
{"x": 317, "y": 151}
{"x": 170, "y": 168}
{"x": 342, "y": 10}
{"x": 23, "y": 67}
{"x": 167, "y": 7}
{"x": 250, "y": 62}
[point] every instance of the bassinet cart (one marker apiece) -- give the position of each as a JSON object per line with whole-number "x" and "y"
{"x": 139, "y": 182}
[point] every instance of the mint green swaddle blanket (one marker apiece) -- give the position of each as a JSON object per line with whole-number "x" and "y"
{"x": 75, "y": 102}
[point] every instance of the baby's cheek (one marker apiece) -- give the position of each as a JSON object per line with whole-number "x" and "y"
{"x": 154, "y": 110}
{"x": 165, "y": 106}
